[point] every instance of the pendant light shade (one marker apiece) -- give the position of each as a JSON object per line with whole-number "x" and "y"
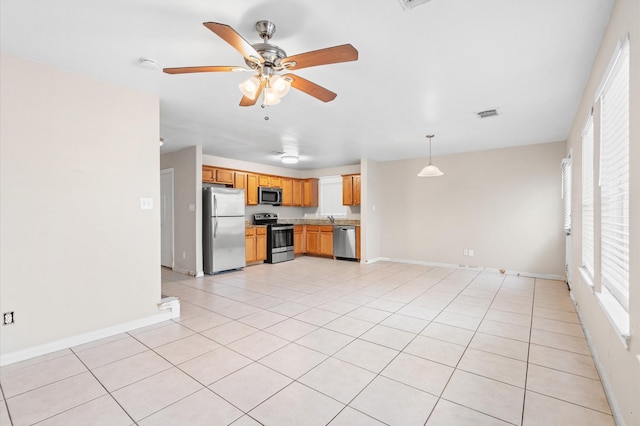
{"x": 430, "y": 170}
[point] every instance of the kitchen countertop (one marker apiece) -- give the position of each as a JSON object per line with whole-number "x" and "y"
{"x": 320, "y": 221}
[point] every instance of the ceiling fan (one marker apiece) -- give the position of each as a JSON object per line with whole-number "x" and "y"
{"x": 268, "y": 61}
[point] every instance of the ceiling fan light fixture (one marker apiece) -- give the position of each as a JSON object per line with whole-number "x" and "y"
{"x": 280, "y": 84}
{"x": 271, "y": 96}
{"x": 250, "y": 87}
{"x": 289, "y": 159}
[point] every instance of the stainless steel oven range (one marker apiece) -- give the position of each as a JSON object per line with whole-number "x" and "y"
{"x": 279, "y": 237}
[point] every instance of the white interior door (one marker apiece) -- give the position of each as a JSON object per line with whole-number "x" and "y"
{"x": 166, "y": 217}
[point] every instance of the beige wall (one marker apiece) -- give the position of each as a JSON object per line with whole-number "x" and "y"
{"x": 76, "y": 252}
{"x": 187, "y": 190}
{"x": 504, "y": 204}
{"x": 619, "y": 366}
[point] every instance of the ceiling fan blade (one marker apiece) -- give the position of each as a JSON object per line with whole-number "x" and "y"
{"x": 330, "y": 55}
{"x": 246, "y": 101}
{"x": 185, "y": 70}
{"x": 311, "y": 89}
{"x": 230, "y": 35}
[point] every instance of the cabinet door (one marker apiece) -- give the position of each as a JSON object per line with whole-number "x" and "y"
{"x": 347, "y": 190}
{"x": 252, "y": 189}
{"x": 312, "y": 236}
{"x": 275, "y": 182}
{"x": 298, "y": 239}
{"x": 310, "y": 192}
{"x": 263, "y": 180}
{"x": 240, "y": 182}
{"x": 297, "y": 192}
{"x": 287, "y": 192}
{"x": 356, "y": 190}
{"x": 207, "y": 175}
{"x": 250, "y": 247}
{"x": 261, "y": 247}
{"x": 326, "y": 243}
{"x": 224, "y": 176}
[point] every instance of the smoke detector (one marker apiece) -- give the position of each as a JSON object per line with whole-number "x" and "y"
{"x": 410, "y": 4}
{"x": 488, "y": 113}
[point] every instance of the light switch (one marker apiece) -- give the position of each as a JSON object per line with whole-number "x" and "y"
{"x": 146, "y": 203}
{"x": 192, "y": 207}
{"x": 471, "y": 252}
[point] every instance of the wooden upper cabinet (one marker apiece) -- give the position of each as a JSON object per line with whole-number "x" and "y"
{"x": 297, "y": 192}
{"x": 351, "y": 190}
{"x": 263, "y": 180}
{"x": 270, "y": 181}
{"x": 310, "y": 192}
{"x": 240, "y": 182}
{"x": 275, "y": 181}
{"x": 251, "y": 192}
{"x": 287, "y": 192}
{"x": 207, "y": 175}
{"x": 216, "y": 175}
{"x": 224, "y": 176}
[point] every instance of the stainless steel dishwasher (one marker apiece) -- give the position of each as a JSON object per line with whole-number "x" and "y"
{"x": 344, "y": 242}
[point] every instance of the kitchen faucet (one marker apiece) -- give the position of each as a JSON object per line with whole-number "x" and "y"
{"x": 331, "y": 219}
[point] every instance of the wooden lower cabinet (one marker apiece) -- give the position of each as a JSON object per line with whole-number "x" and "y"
{"x": 256, "y": 244}
{"x": 299, "y": 246}
{"x": 319, "y": 240}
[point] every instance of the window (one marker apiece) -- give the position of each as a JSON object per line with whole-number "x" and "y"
{"x": 614, "y": 180}
{"x": 587, "y": 198}
{"x": 331, "y": 196}
{"x": 566, "y": 193}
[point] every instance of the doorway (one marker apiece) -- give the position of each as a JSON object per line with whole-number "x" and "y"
{"x": 166, "y": 218}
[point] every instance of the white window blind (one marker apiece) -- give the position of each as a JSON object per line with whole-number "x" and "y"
{"x": 566, "y": 194}
{"x": 331, "y": 196}
{"x": 587, "y": 198}
{"x": 614, "y": 180}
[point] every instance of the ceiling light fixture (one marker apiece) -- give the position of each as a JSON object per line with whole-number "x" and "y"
{"x": 275, "y": 87}
{"x": 430, "y": 170}
{"x": 289, "y": 159}
{"x": 148, "y": 64}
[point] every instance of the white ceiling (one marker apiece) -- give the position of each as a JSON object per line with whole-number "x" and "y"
{"x": 425, "y": 70}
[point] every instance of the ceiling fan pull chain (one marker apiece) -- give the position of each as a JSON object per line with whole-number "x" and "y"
{"x": 264, "y": 100}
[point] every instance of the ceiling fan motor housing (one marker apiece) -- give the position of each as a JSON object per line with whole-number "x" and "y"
{"x": 271, "y": 54}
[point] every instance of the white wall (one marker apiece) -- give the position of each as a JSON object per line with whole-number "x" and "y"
{"x": 620, "y": 366}
{"x": 187, "y": 184}
{"x": 76, "y": 156}
{"x": 504, "y": 204}
{"x": 371, "y": 204}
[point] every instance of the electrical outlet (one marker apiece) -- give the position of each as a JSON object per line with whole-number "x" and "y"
{"x": 7, "y": 318}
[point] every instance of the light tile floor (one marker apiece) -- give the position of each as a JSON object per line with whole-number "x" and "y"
{"x": 317, "y": 341}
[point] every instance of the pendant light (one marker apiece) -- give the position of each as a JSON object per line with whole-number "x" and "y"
{"x": 430, "y": 170}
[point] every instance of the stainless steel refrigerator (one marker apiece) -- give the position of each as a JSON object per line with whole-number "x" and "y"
{"x": 223, "y": 230}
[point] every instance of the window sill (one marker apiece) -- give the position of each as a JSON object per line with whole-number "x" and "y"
{"x": 618, "y": 316}
{"x": 587, "y": 278}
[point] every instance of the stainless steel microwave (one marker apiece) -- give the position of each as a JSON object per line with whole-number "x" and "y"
{"x": 272, "y": 196}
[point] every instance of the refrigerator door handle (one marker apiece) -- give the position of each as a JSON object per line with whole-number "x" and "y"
{"x": 215, "y": 216}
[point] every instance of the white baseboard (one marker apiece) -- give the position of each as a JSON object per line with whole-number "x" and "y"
{"x": 188, "y": 272}
{"x": 478, "y": 268}
{"x": 68, "y": 342}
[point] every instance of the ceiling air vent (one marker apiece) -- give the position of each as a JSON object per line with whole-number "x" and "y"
{"x": 410, "y": 4}
{"x": 488, "y": 113}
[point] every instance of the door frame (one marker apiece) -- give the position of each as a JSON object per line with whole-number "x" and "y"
{"x": 170, "y": 172}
